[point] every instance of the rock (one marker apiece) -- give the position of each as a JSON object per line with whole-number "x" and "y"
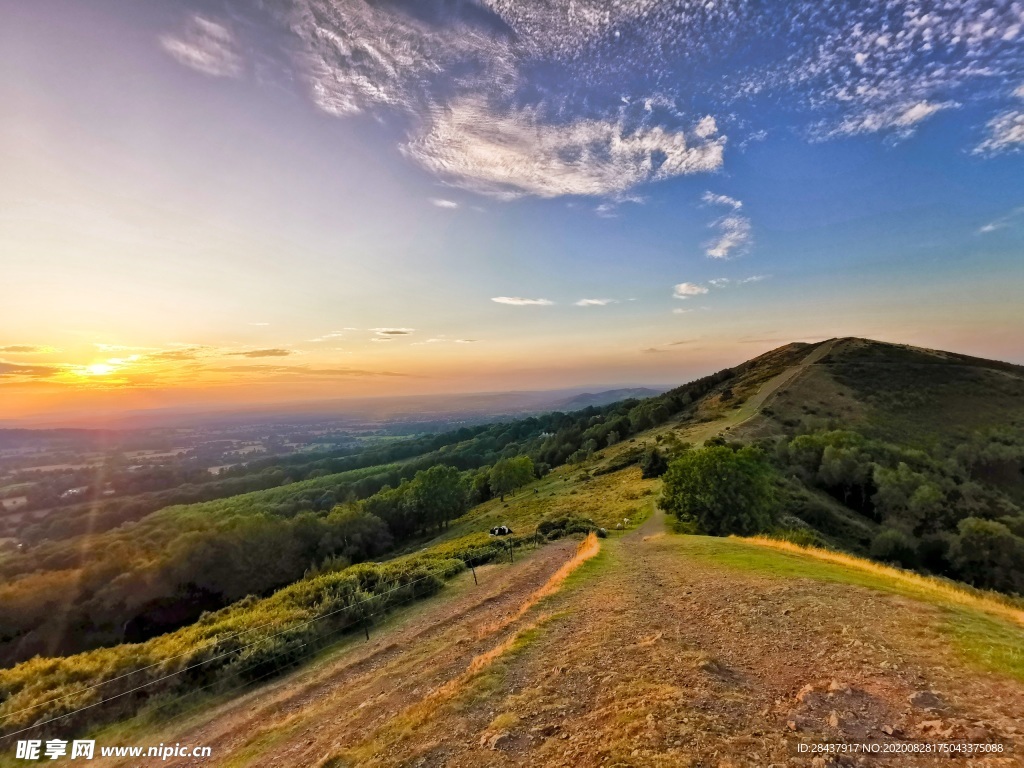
{"x": 836, "y": 687}
{"x": 927, "y": 700}
{"x": 833, "y": 719}
{"x": 818, "y": 762}
{"x": 887, "y": 730}
{"x": 545, "y": 730}
{"x": 499, "y": 740}
{"x": 804, "y": 693}
{"x": 792, "y": 725}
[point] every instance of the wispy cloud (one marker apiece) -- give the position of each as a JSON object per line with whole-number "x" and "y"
{"x": 387, "y": 332}
{"x": 681, "y": 311}
{"x": 688, "y": 290}
{"x": 519, "y": 152}
{"x": 712, "y": 199}
{"x": 259, "y": 324}
{"x": 722, "y": 282}
{"x": 732, "y": 230}
{"x": 20, "y": 371}
{"x": 301, "y": 370}
{"x": 595, "y": 302}
{"x": 27, "y": 349}
{"x": 441, "y": 203}
{"x": 1001, "y": 223}
{"x": 329, "y": 336}
{"x": 518, "y": 301}
{"x": 273, "y": 352}
{"x": 207, "y": 46}
{"x": 1005, "y": 134}
{"x": 899, "y": 119}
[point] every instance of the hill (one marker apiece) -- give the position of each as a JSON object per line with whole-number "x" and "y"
{"x": 591, "y": 399}
{"x": 756, "y": 645}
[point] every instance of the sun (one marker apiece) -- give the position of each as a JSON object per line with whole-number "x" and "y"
{"x": 99, "y": 369}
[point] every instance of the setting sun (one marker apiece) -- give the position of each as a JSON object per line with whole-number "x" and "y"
{"x": 98, "y": 369}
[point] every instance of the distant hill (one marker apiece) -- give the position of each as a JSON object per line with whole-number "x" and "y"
{"x": 597, "y": 399}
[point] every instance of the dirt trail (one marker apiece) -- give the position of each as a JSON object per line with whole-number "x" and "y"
{"x": 750, "y": 408}
{"x": 655, "y": 656}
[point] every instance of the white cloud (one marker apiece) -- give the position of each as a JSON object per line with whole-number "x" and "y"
{"x": 206, "y": 46}
{"x": 440, "y": 203}
{"x": 733, "y": 229}
{"x": 720, "y": 282}
{"x": 516, "y": 153}
{"x": 706, "y": 127}
{"x": 595, "y": 302}
{"x": 1002, "y": 222}
{"x": 712, "y": 199}
{"x": 733, "y": 235}
{"x": 753, "y": 279}
{"x": 686, "y": 290}
{"x": 902, "y": 119}
{"x": 1019, "y": 92}
{"x": 680, "y": 311}
{"x": 517, "y": 301}
{"x": 388, "y": 332}
{"x": 1005, "y": 134}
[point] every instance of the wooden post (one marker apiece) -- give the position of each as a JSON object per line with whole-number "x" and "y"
{"x": 473, "y": 569}
{"x": 511, "y": 557}
{"x": 366, "y": 629}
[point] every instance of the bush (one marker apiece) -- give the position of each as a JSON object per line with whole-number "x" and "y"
{"x": 721, "y": 490}
{"x": 893, "y": 546}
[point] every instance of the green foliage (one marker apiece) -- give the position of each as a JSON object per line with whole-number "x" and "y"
{"x": 721, "y": 490}
{"x": 653, "y": 464}
{"x": 893, "y": 546}
{"x": 509, "y": 475}
{"x": 565, "y": 525}
{"x": 987, "y": 554}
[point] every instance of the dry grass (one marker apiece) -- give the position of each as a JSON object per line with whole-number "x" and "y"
{"x": 587, "y": 549}
{"x": 929, "y": 586}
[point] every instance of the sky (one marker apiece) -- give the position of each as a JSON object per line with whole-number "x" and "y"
{"x": 225, "y": 203}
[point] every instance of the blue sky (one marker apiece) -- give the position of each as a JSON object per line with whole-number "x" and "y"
{"x": 445, "y": 195}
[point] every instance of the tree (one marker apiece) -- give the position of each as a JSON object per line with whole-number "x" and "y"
{"x": 509, "y": 475}
{"x": 438, "y": 495}
{"x": 721, "y": 491}
{"x": 893, "y": 546}
{"x": 653, "y": 464}
{"x": 987, "y": 554}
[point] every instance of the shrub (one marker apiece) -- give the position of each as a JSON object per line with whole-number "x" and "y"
{"x": 721, "y": 490}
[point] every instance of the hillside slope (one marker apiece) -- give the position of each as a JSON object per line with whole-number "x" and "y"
{"x": 664, "y": 651}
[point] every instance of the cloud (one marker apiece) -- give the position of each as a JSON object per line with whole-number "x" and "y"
{"x": 393, "y": 331}
{"x": 595, "y": 302}
{"x": 753, "y": 279}
{"x": 207, "y": 46}
{"x": 900, "y": 119}
{"x": 27, "y": 349}
{"x": 517, "y": 152}
{"x": 441, "y": 203}
{"x": 260, "y": 324}
{"x": 652, "y": 350}
{"x": 733, "y": 229}
{"x": 300, "y": 370}
{"x": 734, "y": 234}
{"x": 1001, "y": 223}
{"x": 719, "y": 282}
{"x": 329, "y": 336}
{"x": 680, "y": 311}
{"x": 15, "y": 370}
{"x": 275, "y": 352}
{"x": 712, "y": 199}
{"x": 466, "y": 341}
{"x": 518, "y": 301}
{"x": 1005, "y": 134}
{"x": 191, "y": 353}
{"x": 686, "y": 290}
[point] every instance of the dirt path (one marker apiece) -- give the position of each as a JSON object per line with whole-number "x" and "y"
{"x": 701, "y": 432}
{"x": 656, "y": 655}
{"x": 667, "y": 660}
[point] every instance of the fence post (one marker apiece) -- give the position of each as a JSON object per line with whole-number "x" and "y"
{"x": 473, "y": 569}
{"x": 511, "y": 557}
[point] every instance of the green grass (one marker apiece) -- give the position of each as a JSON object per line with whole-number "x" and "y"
{"x": 981, "y": 637}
